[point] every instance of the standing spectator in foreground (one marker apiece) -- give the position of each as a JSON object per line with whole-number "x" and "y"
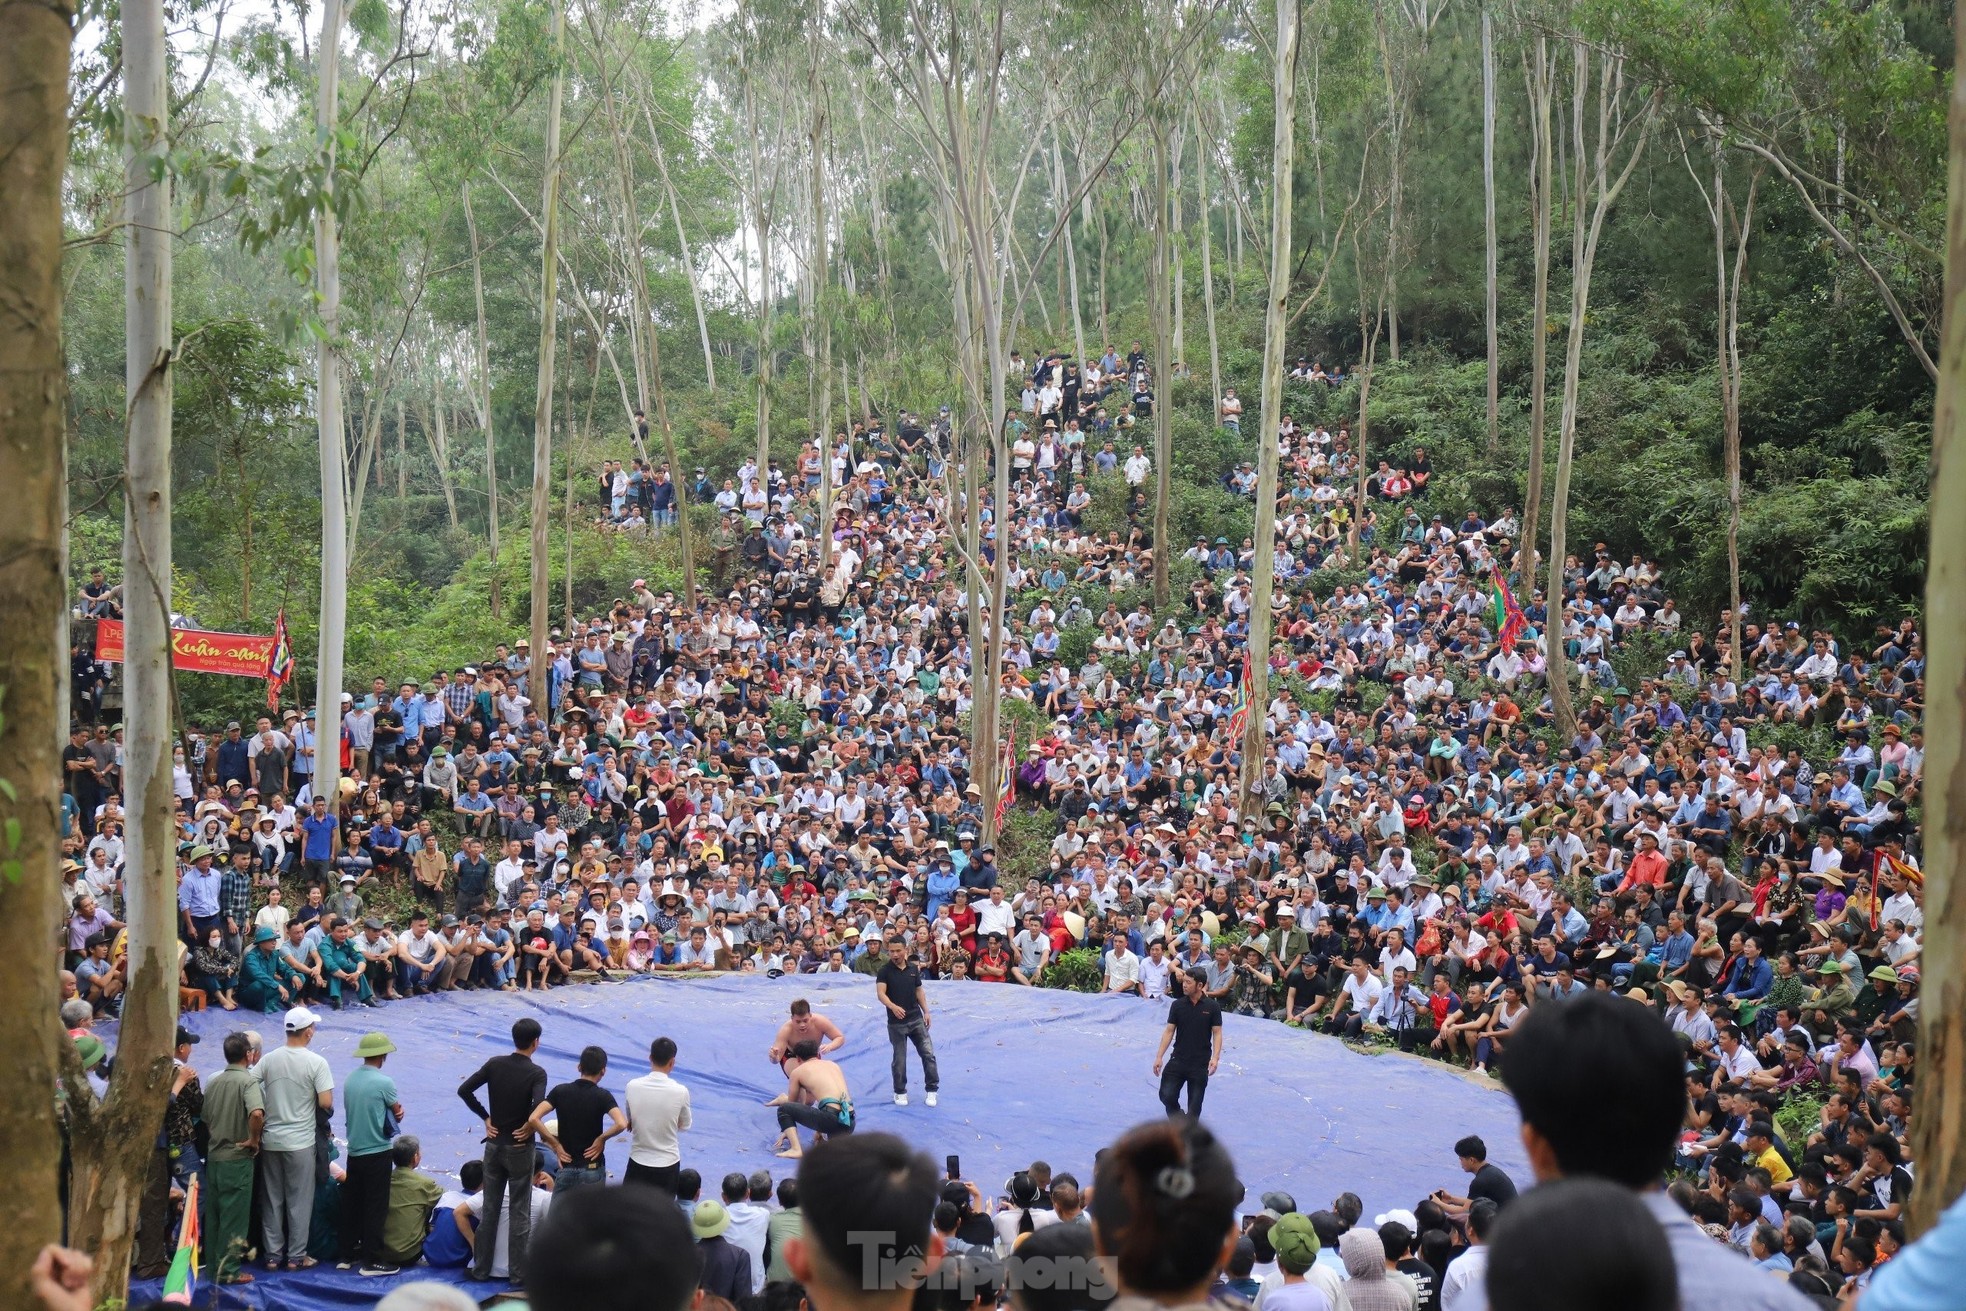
{"x": 516, "y": 1085}
{"x": 1600, "y": 1083}
{"x": 849, "y": 1188}
{"x": 614, "y": 1249}
{"x": 298, "y": 1086}
{"x": 372, "y": 1110}
{"x": 580, "y": 1141}
{"x": 235, "y": 1120}
{"x": 658, "y": 1112}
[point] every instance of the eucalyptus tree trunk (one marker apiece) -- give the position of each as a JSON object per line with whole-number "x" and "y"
{"x": 647, "y": 327}
{"x": 35, "y": 39}
{"x": 1162, "y": 284}
{"x": 1208, "y": 270}
{"x": 481, "y": 400}
{"x": 1937, "y": 1143}
{"x": 1270, "y": 407}
{"x": 328, "y": 405}
{"x": 542, "y": 417}
{"x": 1105, "y": 328}
{"x": 1070, "y": 248}
{"x": 822, "y": 366}
{"x": 761, "y": 223}
{"x": 1727, "y": 319}
{"x": 1594, "y": 190}
{"x": 1488, "y": 226}
{"x": 1398, "y": 108}
{"x": 402, "y": 453}
{"x": 113, "y": 1141}
{"x": 1178, "y": 288}
{"x": 436, "y": 431}
{"x": 1540, "y": 76}
{"x": 1370, "y": 333}
{"x": 689, "y": 265}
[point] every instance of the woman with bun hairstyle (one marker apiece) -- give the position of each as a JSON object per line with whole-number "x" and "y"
{"x": 1164, "y": 1214}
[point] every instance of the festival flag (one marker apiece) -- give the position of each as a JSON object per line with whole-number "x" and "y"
{"x": 1239, "y": 708}
{"x": 1883, "y": 862}
{"x": 279, "y": 662}
{"x": 1509, "y": 619}
{"x": 1006, "y": 777}
{"x": 181, "y": 1281}
{"x": 1892, "y": 865}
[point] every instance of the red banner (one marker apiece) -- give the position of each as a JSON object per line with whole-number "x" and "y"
{"x": 196, "y": 651}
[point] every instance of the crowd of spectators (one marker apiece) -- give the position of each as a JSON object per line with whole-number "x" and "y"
{"x": 778, "y": 782}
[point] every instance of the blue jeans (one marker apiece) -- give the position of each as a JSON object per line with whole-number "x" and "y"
{"x": 579, "y": 1176}
{"x": 409, "y": 975}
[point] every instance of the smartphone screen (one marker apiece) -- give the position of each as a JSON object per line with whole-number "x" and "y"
{"x": 955, "y": 1164}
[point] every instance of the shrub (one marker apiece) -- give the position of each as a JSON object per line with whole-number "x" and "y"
{"x": 787, "y": 714}
{"x": 1077, "y": 970}
{"x": 1075, "y": 645}
{"x": 1024, "y": 845}
{"x": 1799, "y": 1116}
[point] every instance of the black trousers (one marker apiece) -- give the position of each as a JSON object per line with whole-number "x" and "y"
{"x": 815, "y": 1118}
{"x": 656, "y": 1176}
{"x": 365, "y": 1205}
{"x": 1174, "y": 1078}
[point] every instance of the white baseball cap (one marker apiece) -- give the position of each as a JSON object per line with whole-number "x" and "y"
{"x": 1400, "y": 1216}
{"x": 300, "y": 1019}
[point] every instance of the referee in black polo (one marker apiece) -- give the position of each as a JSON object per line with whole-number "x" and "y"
{"x": 1194, "y": 1027}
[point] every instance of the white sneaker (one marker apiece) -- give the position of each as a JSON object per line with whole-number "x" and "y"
{"x": 901, "y": 1099}
{"x": 931, "y": 1099}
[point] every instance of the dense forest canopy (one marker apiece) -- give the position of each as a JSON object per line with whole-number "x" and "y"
{"x": 686, "y": 213}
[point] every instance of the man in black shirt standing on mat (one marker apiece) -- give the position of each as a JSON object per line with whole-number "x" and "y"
{"x": 1194, "y": 1026}
{"x": 516, "y": 1086}
{"x": 899, "y": 987}
{"x": 579, "y": 1137}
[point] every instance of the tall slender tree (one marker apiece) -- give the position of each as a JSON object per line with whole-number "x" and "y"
{"x": 482, "y": 403}
{"x": 1731, "y": 224}
{"x": 1161, "y": 311}
{"x": 328, "y": 398}
{"x": 821, "y": 364}
{"x": 35, "y": 41}
{"x": 1488, "y": 262}
{"x": 1938, "y": 1131}
{"x": 646, "y": 320}
{"x": 113, "y": 1143}
{"x": 1595, "y": 188}
{"x": 542, "y": 417}
{"x": 1270, "y": 407}
{"x": 1539, "y": 76}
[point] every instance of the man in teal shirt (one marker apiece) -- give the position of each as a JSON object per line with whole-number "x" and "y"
{"x": 342, "y": 962}
{"x": 267, "y": 983}
{"x": 374, "y": 1114}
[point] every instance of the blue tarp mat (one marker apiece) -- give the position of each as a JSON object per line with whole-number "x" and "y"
{"x": 1026, "y": 1074}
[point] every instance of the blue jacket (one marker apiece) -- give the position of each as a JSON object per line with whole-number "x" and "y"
{"x": 1749, "y": 980}
{"x": 942, "y": 885}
